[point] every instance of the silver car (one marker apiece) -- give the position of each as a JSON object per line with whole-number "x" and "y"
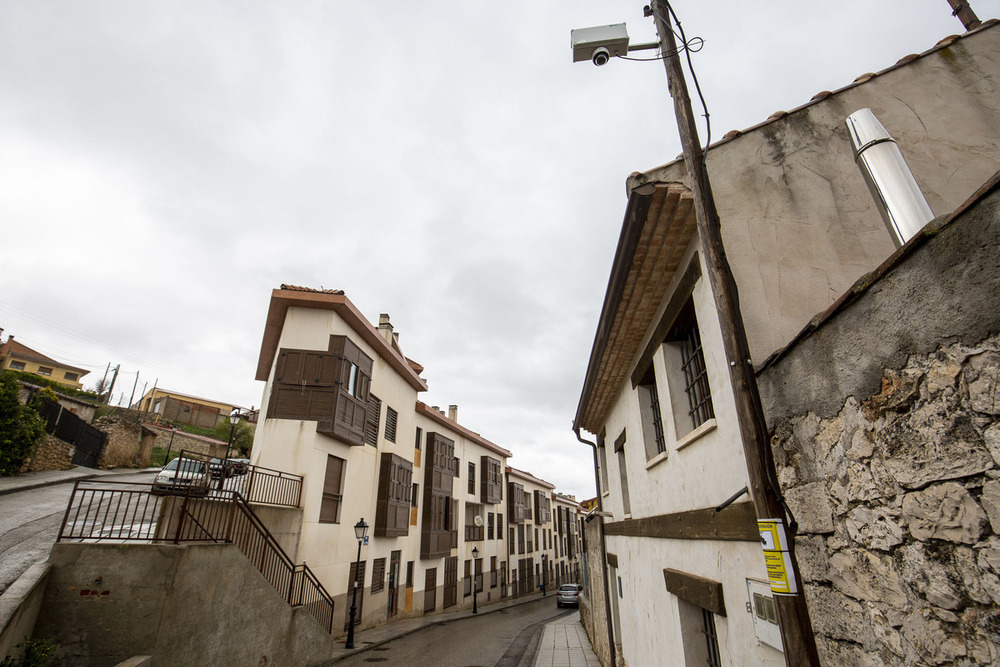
{"x": 568, "y": 595}
{"x": 183, "y": 476}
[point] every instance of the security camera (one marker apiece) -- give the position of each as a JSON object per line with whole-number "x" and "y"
{"x": 599, "y": 44}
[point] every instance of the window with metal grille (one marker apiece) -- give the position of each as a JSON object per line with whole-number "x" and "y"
{"x": 690, "y": 397}
{"x": 472, "y": 477}
{"x": 696, "y": 379}
{"x": 415, "y": 495}
{"x": 652, "y": 419}
{"x": 499, "y": 526}
{"x": 489, "y": 526}
{"x": 378, "y": 575}
{"x": 711, "y": 638}
{"x": 372, "y": 419}
{"x": 390, "y": 424}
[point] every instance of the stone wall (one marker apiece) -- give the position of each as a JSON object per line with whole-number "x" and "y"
{"x": 898, "y": 503}
{"x": 51, "y": 454}
{"x": 126, "y": 445}
{"x": 178, "y": 440}
{"x": 884, "y": 417}
{"x": 593, "y": 612}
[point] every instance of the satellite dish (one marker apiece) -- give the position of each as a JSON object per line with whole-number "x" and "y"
{"x": 478, "y": 520}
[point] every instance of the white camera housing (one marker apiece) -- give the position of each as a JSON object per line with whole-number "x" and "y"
{"x": 599, "y": 44}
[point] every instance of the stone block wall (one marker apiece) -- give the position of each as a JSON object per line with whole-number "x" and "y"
{"x": 898, "y": 502}
{"x": 125, "y": 447}
{"x": 593, "y": 611}
{"x": 51, "y": 454}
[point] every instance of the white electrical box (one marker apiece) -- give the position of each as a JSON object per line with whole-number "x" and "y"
{"x": 765, "y": 614}
{"x": 585, "y": 41}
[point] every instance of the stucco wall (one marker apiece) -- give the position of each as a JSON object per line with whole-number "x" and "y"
{"x": 593, "y": 612}
{"x": 184, "y": 605}
{"x": 886, "y": 423}
{"x": 797, "y": 219}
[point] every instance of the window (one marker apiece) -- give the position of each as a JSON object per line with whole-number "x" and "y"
{"x": 603, "y": 455}
{"x": 415, "y": 495}
{"x": 623, "y": 472}
{"x": 649, "y": 410}
{"x": 378, "y": 574}
{"x": 329, "y": 509}
{"x": 329, "y": 387}
{"x": 390, "y": 424}
{"x": 687, "y": 377}
{"x": 499, "y": 526}
{"x": 472, "y": 477}
{"x": 489, "y": 526}
{"x": 468, "y": 578}
{"x": 409, "y": 574}
{"x": 44, "y": 370}
{"x": 395, "y": 496}
{"x": 420, "y": 433}
{"x": 711, "y": 638}
{"x": 437, "y": 523}
{"x": 511, "y": 542}
{"x": 17, "y": 365}
{"x": 492, "y": 480}
{"x": 493, "y": 571}
{"x": 371, "y": 421}
{"x": 71, "y": 376}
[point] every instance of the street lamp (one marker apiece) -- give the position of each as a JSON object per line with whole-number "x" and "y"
{"x": 360, "y": 530}
{"x": 234, "y": 417}
{"x": 475, "y": 588}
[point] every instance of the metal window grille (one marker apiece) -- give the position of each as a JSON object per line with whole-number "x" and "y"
{"x": 696, "y": 378}
{"x": 472, "y": 477}
{"x": 711, "y": 639}
{"x": 654, "y": 405}
{"x": 378, "y": 575}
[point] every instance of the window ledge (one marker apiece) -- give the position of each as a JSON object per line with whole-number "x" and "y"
{"x": 707, "y": 427}
{"x": 656, "y": 460}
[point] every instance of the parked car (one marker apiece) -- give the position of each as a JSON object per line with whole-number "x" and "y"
{"x": 568, "y": 595}
{"x": 183, "y": 476}
{"x": 239, "y": 466}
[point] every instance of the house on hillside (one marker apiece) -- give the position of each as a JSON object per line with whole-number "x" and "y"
{"x": 17, "y": 356}
{"x": 185, "y": 409}
{"x": 680, "y": 582}
{"x": 341, "y": 408}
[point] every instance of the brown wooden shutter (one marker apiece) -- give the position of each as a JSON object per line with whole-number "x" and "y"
{"x": 392, "y": 509}
{"x": 329, "y": 511}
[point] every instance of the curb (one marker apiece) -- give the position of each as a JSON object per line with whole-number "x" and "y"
{"x": 69, "y": 480}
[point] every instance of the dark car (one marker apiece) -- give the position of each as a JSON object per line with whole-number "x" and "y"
{"x": 568, "y": 595}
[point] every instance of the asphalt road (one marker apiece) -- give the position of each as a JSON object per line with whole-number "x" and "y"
{"x": 505, "y": 638}
{"x": 29, "y": 525}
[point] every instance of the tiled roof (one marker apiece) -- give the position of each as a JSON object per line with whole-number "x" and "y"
{"x": 658, "y": 229}
{"x": 15, "y": 348}
{"x": 297, "y": 288}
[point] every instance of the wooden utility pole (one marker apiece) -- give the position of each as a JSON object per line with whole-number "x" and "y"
{"x": 963, "y": 11}
{"x": 797, "y": 636}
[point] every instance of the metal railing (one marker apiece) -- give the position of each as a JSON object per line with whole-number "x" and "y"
{"x": 122, "y": 511}
{"x": 256, "y": 484}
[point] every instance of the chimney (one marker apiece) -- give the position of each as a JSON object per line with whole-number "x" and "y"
{"x": 453, "y": 413}
{"x": 385, "y": 327}
{"x": 897, "y": 195}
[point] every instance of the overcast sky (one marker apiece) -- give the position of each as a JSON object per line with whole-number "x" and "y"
{"x": 164, "y": 165}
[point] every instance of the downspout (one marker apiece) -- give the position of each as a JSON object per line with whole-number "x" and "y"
{"x": 604, "y": 550}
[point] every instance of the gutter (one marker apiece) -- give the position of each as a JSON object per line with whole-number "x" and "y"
{"x": 604, "y": 547}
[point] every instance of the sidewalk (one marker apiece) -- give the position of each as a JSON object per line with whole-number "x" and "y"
{"x": 34, "y": 480}
{"x": 564, "y": 642}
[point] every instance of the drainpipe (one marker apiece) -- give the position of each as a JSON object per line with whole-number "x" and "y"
{"x": 604, "y": 549}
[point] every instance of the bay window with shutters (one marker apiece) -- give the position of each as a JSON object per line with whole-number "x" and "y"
{"x": 438, "y": 520}
{"x": 395, "y": 495}
{"x": 329, "y": 387}
{"x": 491, "y": 482}
{"x": 517, "y": 510}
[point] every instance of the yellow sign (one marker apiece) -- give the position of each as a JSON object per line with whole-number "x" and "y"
{"x": 776, "y": 558}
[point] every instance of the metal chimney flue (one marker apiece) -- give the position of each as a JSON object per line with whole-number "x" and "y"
{"x": 897, "y": 195}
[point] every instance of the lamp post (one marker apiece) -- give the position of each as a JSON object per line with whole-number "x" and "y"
{"x": 475, "y": 588}
{"x": 360, "y": 529}
{"x": 234, "y": 417}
